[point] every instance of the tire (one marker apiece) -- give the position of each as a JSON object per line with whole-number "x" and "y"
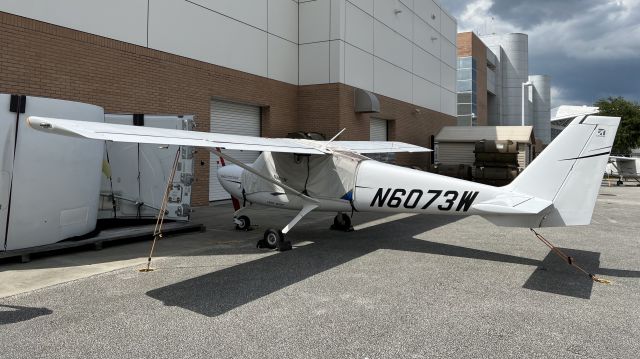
{"x": 245, "y": 223}
{"x": 272, "y": 237}
{"x": 342, "y": 221}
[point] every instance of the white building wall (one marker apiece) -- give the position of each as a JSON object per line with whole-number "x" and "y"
{"x": 404, "y": 49}
{"x": 124, "y": 20}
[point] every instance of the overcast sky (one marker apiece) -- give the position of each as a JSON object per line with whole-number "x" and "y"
{"x": 590, "y": 48}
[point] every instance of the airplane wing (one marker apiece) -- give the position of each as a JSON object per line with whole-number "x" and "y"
{"x": 622, "y": 159}
{"x": 375, "y": 146}
{"x": 138, "y": 134}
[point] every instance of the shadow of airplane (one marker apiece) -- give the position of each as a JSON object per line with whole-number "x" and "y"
{"x": 10, "y": 314}
{"x": 218, "y": 292}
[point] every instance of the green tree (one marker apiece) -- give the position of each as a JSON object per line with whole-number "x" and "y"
{"x": 628, "y": 136}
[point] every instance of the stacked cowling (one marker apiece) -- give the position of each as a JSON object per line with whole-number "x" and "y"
{"x": 496, "y": 162}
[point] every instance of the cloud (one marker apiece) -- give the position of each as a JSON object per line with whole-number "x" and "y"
{"x": 528, "y": 14}
{"x": 590, "y": 48}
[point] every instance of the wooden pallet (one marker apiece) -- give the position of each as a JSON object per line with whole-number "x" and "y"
{"x": 104, "y": 236}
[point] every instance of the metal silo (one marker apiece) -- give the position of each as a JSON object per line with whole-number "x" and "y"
{"x": 541, "y": 107}
{"x": 513, "y": 53}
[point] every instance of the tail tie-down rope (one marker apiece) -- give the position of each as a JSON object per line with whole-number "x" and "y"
{"x": 570, "y": 261}
{"x": 157, "y": 231}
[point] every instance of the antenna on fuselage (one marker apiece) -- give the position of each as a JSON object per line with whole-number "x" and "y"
{"x": 336, "y": 136}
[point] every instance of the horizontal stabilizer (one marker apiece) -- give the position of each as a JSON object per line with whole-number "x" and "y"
{"x": 513, "y": 205}
{"x": 622, "y": 159}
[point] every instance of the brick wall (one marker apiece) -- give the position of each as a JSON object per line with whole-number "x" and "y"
{"x": 39, "y": 59}
{"x": 329, "y": 108}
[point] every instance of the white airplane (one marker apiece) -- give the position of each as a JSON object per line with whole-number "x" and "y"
{"x": 558, "y": 188}
{"x": 624, "y": 168}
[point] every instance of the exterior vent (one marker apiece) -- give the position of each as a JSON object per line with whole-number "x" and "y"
{"x": 366, "y": 102}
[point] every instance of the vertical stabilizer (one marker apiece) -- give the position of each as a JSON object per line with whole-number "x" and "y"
{"x": 569, "y": 171}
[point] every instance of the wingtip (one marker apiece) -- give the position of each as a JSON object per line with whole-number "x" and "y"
{"x": 38, "y": 123}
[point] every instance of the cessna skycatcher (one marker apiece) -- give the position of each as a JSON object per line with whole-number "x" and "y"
{"x": 625, "y": 168}
{"x": 558, "y": 188}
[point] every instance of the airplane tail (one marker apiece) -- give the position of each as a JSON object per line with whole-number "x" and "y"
{"x": 569, "y": 171}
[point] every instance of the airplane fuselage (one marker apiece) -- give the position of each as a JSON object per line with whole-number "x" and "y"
{"x": 380, "y": 187}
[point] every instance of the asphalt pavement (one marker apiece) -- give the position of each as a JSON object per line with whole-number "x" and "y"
{"x": 399, "y": 286}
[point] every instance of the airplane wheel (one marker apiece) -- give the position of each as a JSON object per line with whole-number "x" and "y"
{"x": 244, "y": 224}
{"x": 272, "y": 237}
{"x": 341, "y": 222}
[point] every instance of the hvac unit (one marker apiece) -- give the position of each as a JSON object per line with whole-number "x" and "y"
{"x": 48, "y": 184}
{"x": 135, "y": 175}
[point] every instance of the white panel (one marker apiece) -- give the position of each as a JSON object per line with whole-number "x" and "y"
{"x": 364, "y": 5}
{"x": 92, "y": 16}
{"x": 392, "y": 81}
{"x": 314, "y": 21}
{"x": 234, "y": 119}
{"x": 338, "y": 13}
{"x": 426, "y": 37}
{"x": 139, "y": 172}
{"x": 394, "y": 14}
{"x": 336, "y": 66}
{"x": 378, "y": 130}
{"x": 359, "y": 28}
{"x": 283, "y": 19}
{"x": 358, "y": 68}
{"x": 455, "y": 153}
{"x": 448, "y": 102}
{"x": 448, "y": 27}
{"x": 392, "y": 47}
{"x": 408, "y": 3}
{"x": 429, "y": 12}
{"x": 56, "y": 180}
{"x": 255, "y": 15}
{"x": 7, "y": 138}
{"x": 448, "y": 77}
{"x": 314, "y": 63}
{"x": 448, "y": 55}
{"x": 188, "y": 30}
{"x": 426, "y": 94}
{"x": 283, "y": 60}
{"x": 426, "y": 65}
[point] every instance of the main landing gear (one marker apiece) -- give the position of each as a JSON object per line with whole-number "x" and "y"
{"x": 342, "y": 222}
{"x": 273, "y": 238}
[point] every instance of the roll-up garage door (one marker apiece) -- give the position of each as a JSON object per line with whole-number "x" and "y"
{"x": 234, "y": 119}
{"x": 378, "y": 131}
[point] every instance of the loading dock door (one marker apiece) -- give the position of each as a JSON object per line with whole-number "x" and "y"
{"x": 234, "y": 119}
{"x": 378, "y": 130}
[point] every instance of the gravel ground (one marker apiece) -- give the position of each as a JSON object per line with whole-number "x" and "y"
{"x": 407, "y": 287}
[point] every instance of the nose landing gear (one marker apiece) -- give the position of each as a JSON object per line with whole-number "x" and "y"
{"x": 242, "y": 223}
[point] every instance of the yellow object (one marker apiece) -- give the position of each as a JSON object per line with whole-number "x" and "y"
{"x": 106, "y": 168}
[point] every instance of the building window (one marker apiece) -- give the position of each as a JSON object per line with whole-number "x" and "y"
{"x": 467, "y": 91}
